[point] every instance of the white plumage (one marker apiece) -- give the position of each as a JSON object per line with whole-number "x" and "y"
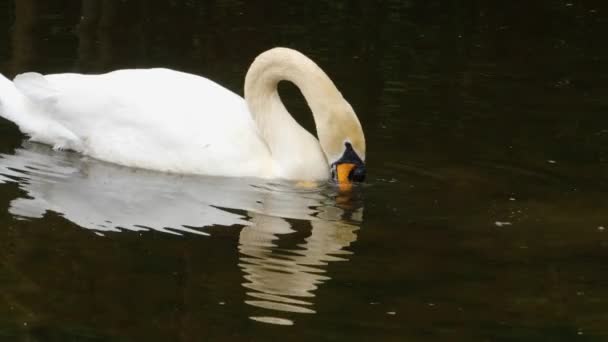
{"x": 171, "y": 121}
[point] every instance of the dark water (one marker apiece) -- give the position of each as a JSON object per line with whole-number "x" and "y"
{"x": 484, "y": 217}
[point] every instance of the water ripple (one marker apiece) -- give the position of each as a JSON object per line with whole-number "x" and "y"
{"x": 106, "y": 197}
{"x": 289, "y": 236}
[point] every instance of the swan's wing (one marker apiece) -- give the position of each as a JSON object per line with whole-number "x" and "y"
{"x": 146, "y": 99}
{"x": 156, "y": 118}
{"x": 153, "y": 103}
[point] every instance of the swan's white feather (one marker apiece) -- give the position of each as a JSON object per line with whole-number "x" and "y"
{"x": 155, "y": 119}
{"x": 36, "y": 88}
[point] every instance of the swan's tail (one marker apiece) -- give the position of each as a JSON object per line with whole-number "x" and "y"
{"x": 26, "y": 102}
{"x": 8, "y": 94}
{"x": 12, "y": 105}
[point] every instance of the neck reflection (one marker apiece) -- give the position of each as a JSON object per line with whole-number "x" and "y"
{"x": 282, "y": 277}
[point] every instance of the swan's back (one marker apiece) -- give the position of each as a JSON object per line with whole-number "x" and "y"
{"x": 156, "y": 118}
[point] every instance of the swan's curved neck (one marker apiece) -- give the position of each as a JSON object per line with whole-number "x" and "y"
{"x": 286, "y": 139}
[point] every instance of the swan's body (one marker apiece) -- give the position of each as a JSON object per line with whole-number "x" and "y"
{"x": 171, "y": 121}
{"x": 130, "y": 117}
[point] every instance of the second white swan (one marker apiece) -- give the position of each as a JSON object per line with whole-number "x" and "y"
{"x": 171, "y": 121}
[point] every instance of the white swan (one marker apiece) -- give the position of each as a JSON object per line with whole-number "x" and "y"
{"x": 176, "y": 122}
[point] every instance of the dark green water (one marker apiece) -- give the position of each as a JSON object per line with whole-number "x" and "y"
{"x": 482, "y": 219}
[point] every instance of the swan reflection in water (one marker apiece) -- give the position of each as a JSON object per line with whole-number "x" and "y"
{"x": 110, "y": 198}
{"x": 282, "y": 278}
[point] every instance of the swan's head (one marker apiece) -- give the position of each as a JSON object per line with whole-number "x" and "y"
{"x": 349, "y": 168}
{"x": 342, "y": 139}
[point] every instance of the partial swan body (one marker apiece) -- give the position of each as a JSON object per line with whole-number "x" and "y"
{"x": 171, "y": 121}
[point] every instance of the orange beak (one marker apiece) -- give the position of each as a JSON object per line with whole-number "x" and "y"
{"x": 342, "y": 172}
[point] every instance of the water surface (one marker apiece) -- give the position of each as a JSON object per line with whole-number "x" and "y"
{"x": 484, "y": 216}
